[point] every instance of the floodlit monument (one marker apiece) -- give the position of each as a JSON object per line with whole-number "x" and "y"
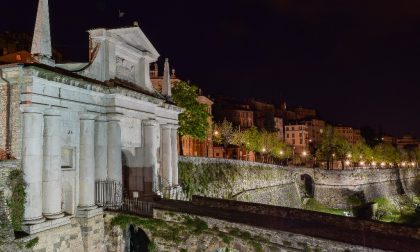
{"x": 78, "y": 127}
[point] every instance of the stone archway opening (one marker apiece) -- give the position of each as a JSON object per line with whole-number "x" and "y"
{"x": 307, "y": 183}
{"x": 139, "y": 242}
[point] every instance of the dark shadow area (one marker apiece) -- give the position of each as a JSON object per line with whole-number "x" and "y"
{"x": 308, "y": 183}
{"x": 139, "y": 242}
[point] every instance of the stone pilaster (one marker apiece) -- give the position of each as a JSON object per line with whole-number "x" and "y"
{"x": 174, "y": 154}
{"x": 101, "y": 148}
{"x": 114, "y": 149}
{"x": 87, "y": 162}
{"x": 151, "y": 145}
{"x": 166, "y": 155}
{"x": 32, "y": 162}
{"x": 51, "y": 175}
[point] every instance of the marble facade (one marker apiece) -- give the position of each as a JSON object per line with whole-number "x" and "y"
{"x": 80, "y": 123}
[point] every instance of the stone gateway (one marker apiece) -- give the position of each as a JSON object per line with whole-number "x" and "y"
{"x": 76, "y": 128}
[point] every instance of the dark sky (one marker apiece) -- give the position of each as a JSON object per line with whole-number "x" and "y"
{"x": 357, "y": 62}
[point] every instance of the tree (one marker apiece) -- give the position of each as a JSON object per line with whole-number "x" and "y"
{"x": 361, "y": 152}
{"x": 193, "y": 121}
{"x": 387, "y": 153}
{"x": 332, "y": 146}
{"x": 224, "y": 134}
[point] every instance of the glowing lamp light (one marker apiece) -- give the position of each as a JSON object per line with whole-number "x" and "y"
{"x": 349, "y": 155}
{"x": 281, "y": 153}
{"x": 383, "y": 164}
{"x": 216, "y": 133}
{"x": 403, "y": 164}
{"x": 373, "y": 163}
{"x": 413, "y": 164}
{"x": 391, "y": 164}
{"x": 263, "y": 150}
{"x": 362, "y": 163}
{"x": 304, "y": 154}
{"x": 347, "y": 162}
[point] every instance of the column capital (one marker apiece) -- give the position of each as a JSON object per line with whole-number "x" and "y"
{"x": 113, "y": 117}
{"x": 87, "y": 116}
{"x": 101, "y": 118}
{"x": 52, "y": 112}
{"x": 166, "y": 126}
{"x": 32, "y": 109}
{"x": 175, "y": 126}
{"x": 150, "y": 122}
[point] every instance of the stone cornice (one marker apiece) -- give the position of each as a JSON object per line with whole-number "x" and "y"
{"x": 71, "y": 79}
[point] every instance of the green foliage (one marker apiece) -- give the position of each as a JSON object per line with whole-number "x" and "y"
{"x": 261, "y": 142}
{"x": 224, "y": 133}
{"x": 16, "y": 202}
{"x": 313, "y": 205}
{"x": 332, "y": 146}
{"x": 32, "y": 243}
{"x": 172, "y": 232}
{"x": 152, "y": 247}
{"x": 194, "y": 120}
{"x": 207, "y": 179}
{"x": 360, "y": 151}
{"x": 196, "y": 225}
{"x": 196, "y": 179}
{"x": 386, "y": 153}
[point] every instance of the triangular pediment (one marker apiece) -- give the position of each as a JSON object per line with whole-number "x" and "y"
{"x": 135, "y": 37}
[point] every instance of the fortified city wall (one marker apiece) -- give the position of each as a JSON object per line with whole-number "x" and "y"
{"x": 284, "y": 186}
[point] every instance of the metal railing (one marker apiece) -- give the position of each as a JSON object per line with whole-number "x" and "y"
{"x": 138, "y": 207}
{"x": 108, "y": 193}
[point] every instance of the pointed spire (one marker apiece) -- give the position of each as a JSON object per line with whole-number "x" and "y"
{"x": 166, "y": 87}
{"x": 41, "y": 43}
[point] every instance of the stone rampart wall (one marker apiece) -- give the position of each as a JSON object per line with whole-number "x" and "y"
{"x": 333, "y": 188}
{"x": 241, "y": 180}
{"x": 282, "y": 186}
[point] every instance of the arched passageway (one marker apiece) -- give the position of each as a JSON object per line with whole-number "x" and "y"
{"x": 139, "y": 242}
{"x": 308, "y": 184}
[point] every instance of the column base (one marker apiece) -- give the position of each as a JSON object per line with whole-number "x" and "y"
{"x": 33, "y": 221}
{"x": 87, "y": 208}
{"x": 49, "y": 224}
{"x": 88, "y": 213}
{"x": 54, "y": 216}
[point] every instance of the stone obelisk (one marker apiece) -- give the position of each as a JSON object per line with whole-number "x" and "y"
{"x": 166, "y": 86}
{"x": 41, "y": 43}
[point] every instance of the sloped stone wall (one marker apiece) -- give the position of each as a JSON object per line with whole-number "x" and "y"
{"x": 240, "y": 180}
{"x": 282, "y": 186}
{"x": 333, "y": 188}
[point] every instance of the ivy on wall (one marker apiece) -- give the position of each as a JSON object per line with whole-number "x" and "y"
{"x": 16, "y": 202}
{"x": 222, "y": 178}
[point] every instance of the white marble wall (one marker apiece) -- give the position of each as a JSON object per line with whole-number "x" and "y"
{"x": 93, "y": 141}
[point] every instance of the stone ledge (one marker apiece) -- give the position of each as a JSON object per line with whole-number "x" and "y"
{"x": 49, "y": 224}
{"x": 89, "y": 213}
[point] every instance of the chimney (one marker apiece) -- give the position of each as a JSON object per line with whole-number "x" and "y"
{"x": 166, "y": 87}
{"x": 41, "y": 42}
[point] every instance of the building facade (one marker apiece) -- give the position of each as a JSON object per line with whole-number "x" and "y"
{"x": 297, "y": 135}
{"x": 75, "y": 125}
{"x": 350, "y": 134}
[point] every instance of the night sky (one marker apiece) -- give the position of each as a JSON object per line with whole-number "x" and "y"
{"x": 357, "y": 62}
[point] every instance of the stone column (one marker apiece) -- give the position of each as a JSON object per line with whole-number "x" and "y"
{"x": 32, "y": 162}
{"x": 51, "y": 175}
{"x": 101, "y": 148}
{"x": 151, "y": 131}
{"x": 166, "y": 155}
{"x": 174, "y": 152}
{"x": 114, "y": 149}
{"x": 87, "y": 162}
